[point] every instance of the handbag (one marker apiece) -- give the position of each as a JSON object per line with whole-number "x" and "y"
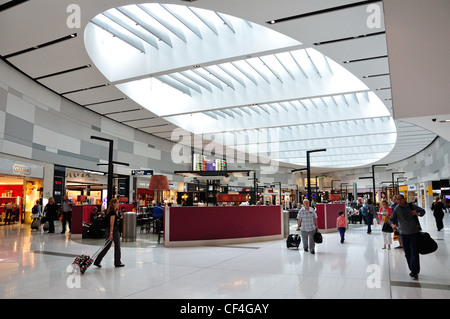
{"x": 318, "y": 239}
{"x": 426, "y": 244}
{"x": 387, "y": 228}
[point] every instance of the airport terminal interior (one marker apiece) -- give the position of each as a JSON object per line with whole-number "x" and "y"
{"x": 211, "y": 122}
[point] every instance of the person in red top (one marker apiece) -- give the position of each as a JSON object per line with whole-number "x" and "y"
{"x": 341, "y": 225}
{"x": 384, "y": 214}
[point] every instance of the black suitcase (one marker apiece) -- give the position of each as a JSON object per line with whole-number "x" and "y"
{"x": 293, "y": 240}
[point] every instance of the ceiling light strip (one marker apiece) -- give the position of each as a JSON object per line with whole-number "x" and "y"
{"x": 87, "y": 66}
{"x": 85, "y": 89}
{"x": 327, "y": 10}
{"x": 40, "y": 46}
{"x": 366, "y": 59}
{"x": 10, "y": 4}
{"x": 350, "y": 38}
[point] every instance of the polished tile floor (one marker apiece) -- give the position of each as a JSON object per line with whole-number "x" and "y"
{"x": 35, "y": 265}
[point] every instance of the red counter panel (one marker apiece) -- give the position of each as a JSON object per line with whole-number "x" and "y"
{"x": 222, "y": 222}
{"x": 327, "y": 215}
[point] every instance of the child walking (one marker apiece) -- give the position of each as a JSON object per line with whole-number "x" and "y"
{"x": 341, "y": 225}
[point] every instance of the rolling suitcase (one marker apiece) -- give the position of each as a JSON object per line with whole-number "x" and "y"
{"x": 293, "y": 240}
{"x": 83, "y": 262}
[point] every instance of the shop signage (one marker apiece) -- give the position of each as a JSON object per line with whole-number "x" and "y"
{"x": 19, "y": 169}
{"x": 86, "y": 177}
{"x": 412, "y": 187}
{"x": 10, "y": 167}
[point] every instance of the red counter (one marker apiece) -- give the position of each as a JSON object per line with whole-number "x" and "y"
{"x": 221, "y": 225}
{"x": 80, "y": 214}
{"x": 327, "y": 215}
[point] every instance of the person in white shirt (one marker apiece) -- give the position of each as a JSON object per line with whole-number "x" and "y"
{"x": 307, "y": 223}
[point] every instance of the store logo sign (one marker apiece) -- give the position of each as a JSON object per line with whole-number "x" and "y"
{"x": 21, "y": 170}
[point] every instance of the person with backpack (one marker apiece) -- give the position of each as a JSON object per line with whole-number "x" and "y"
{"x": 406, "y": 217}
{"x": 36, "y": 215}
{"x": 369, "y": 213}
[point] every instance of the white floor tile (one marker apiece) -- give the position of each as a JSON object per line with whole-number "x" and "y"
{"x": 35, "y": 265}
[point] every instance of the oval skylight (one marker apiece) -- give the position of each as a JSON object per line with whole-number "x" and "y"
{"x": 240, "y": 84}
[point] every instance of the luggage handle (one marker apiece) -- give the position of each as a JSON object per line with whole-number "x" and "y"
{"x": 107, "y": 242}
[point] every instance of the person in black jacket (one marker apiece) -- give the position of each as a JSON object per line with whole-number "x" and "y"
{"x": 438, "y": 212}
{"x": 51, "y": 214}
{"x": 406, "y": 217}
{"x": 113, "y": 235}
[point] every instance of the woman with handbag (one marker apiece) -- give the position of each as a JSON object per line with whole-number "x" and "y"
{"x": 385, "y": 214}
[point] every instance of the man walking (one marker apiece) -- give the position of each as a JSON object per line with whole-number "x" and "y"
{"x": 307, "y": 223}
{"x": 406, "y": 217}
{"x": 67, "y": 214}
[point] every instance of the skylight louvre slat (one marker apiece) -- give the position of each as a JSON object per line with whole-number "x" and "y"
{"x": 175, "y": 84}
{"x": 119, "y": 34}
{"x": 186, "y": 82}
{"x": 227, "y": 71}
{"x": 285, "y": 68}
{"x": 245, "y": 110}
{"x": 191, "y": 26}
{"x": 271, "y": 68}
{"x": 219, "y": 113}
{"x": 167, "y": 25}
{"x": 313, "y": 64}
{"x": 196, "y": 79}
{"x": 151, "y": 29}
{"x": 228, "y": 112}
{"x": 211, "y": 114}
{"x": 219, "y": 76}
{"x": 149, "y": 39}
{"x": 257, "y": 71}
{"x": 204, "y": 20}
{"x": 245, "y": 73}
{"x": 208, "y": 78}
{"x": 298, "y": 64}
{"x": 226, "y": 21}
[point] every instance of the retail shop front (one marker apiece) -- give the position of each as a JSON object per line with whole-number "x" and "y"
{"x": 21, "y": 185}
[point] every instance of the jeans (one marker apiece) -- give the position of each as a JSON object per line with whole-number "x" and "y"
{"x": 411, "y": 252}
{"x": 67, "y": 219}
{"x": 342, "y": 233}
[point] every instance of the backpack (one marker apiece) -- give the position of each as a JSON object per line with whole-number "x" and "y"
{"x": 365, "y": 210}
{"x": 34, "y": 210}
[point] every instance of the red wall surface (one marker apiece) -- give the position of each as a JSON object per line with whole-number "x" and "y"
{"x": 223, "y": 222}
{"x": 327, "y": 214}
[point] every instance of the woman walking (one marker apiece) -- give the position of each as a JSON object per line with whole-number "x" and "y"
{"x": 438, "y": 212}
{"x": 113, "y": 234}
{"x": 385, "y": 214}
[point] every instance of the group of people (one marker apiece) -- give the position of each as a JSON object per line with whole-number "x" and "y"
{"x": 401, "y": 218}
{"x": 51, "y": 213}
{"x": 11, "y": 212}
